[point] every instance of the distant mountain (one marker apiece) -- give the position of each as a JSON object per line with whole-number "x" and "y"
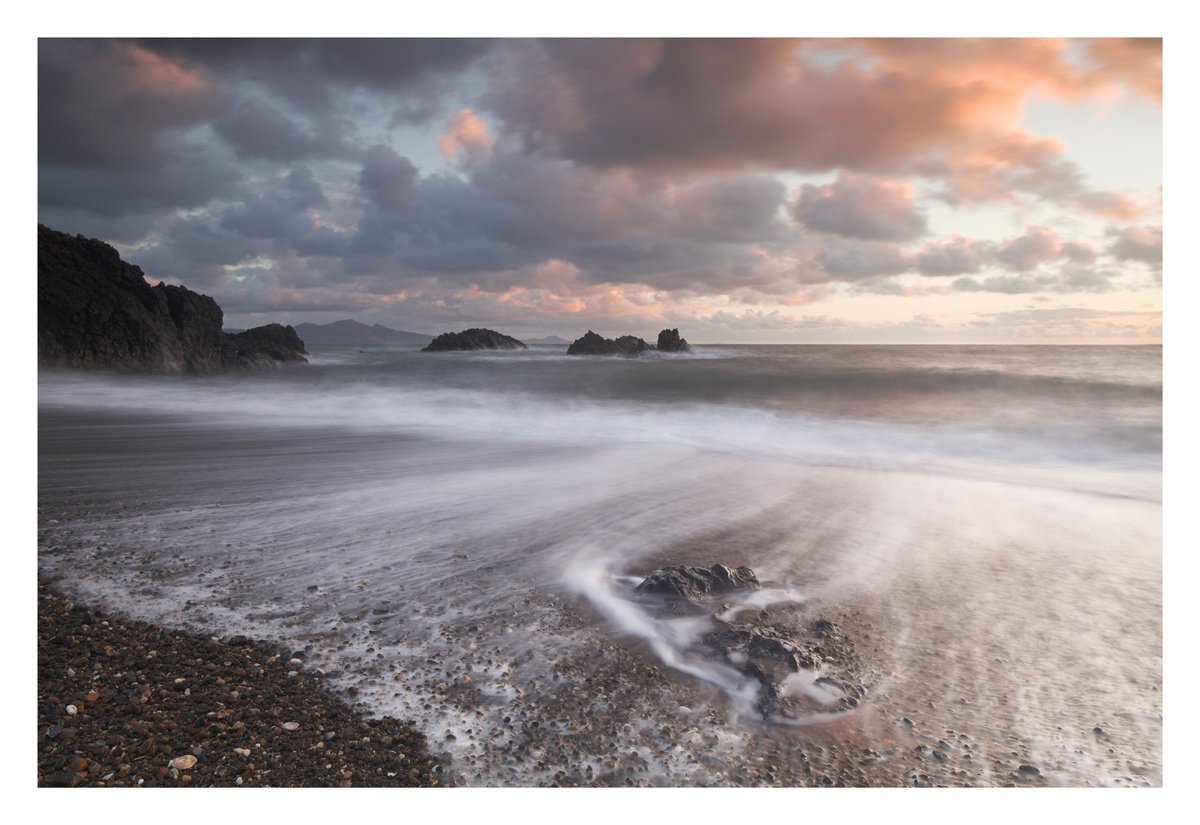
{"x": 549, "y": 339}
{"x": 350, "y": 333}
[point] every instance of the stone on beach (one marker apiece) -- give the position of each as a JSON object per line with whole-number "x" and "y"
{"x": 695, "y": 584}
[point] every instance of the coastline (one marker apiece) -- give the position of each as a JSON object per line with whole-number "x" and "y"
{"x": 126, "y": 703}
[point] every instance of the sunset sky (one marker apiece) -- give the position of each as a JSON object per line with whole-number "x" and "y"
{"x": 843, "y": 191}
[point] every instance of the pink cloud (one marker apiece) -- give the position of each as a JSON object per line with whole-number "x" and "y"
{"x": 467, "y": 134}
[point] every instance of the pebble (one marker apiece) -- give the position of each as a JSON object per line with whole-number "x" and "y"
{"x": 290, "y": 725}
{"x": 72, "y": 710}
{"x": 141, "y": 729}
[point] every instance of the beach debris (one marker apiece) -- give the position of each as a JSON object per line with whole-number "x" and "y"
{"x": 182, "y": 762}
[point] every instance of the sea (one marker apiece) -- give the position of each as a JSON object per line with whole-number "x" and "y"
{"x": 455, "y": 539}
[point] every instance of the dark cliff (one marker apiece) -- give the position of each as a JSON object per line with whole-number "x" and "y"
{"x": 96, "y": 311}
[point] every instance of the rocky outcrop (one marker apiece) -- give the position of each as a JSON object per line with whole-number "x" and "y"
{"x": 797, "y": 668}
{"x": 593, "y": 344}
{"x": 272, "y": 345}
{"x": 669, "y": 341}
{"x": 694, "y": 585}
{"x": 96, "y": 311}
{"x": 627, "y": 345}
{"x": 473, "y": 339}
{"x": 788, "y": 667}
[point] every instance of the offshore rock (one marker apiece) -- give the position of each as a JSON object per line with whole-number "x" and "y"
{"x": 473, "y": 339}
{"x": 593, "y": 344}
{"x": 669, "y": 341}
{"x": 95, "y": 311}
{"x": 271, "y": 345}
{"x": 627, "y": 345}
{"x": 695, "y": 584}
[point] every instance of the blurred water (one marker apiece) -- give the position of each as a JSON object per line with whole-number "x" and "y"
{"x": 992, "y": 513}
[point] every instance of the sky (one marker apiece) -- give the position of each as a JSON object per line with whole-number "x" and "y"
{"x": 745, "y": 191}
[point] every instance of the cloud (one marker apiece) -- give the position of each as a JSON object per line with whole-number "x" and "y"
{"x": 257, "y": 129}
{"x": 317, "y": 74}
{"x": 1016, "y": 163}
{"x": 1025, "y": 252}
{"x": 111, "y": 103}
{"x": 389, "y": 180}
{"x": 1137, "y": 243}
{"x": 606, "y": 177}
{"x": 1135, "y": 63}
{"x": 860, "y": 207}
{"x": 958, "y": 255}
{"x": 186, "y": 176}
{"x": 466, "y": 133}
{"x": 854, "y": 260}
{"x": 727, "y": 209}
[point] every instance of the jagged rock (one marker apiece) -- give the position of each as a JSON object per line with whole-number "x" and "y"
{"x": 695, "y": 584}
{"x": 593, "y": 344}
{"x": 627, "y": 345}
{"x": 669, "y": 341}
{"x": 473, "y": 339}
{"x": 271, "y": 345}
{"x": 96, "y": 311}
{"x": 786, "y": 661}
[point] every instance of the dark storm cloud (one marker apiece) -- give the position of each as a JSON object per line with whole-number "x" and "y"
{"x": 196, "y": 253}
{"x": 265, "y": 170}
{"x": 108, "y": 104}
{"x": 256, "y": 129}
{"x": 185, "y": 176}
{"x": 311, "y": 72}
{"x": 389, "y": 180}
{"x": 276, "y": 208}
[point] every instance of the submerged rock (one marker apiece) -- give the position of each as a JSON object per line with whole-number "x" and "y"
{"x": 695, "y": 584}
{"x": 473, "y": 339}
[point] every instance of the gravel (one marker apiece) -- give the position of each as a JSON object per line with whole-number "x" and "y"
{"x": 157, "y": 707}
